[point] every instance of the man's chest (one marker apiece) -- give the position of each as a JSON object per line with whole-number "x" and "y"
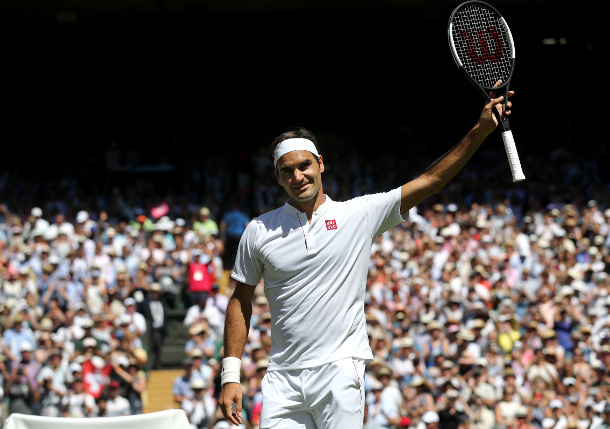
{"x": 324, "y": 242}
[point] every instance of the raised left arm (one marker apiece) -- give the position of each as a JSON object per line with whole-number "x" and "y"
{"x": 440, "y": 172}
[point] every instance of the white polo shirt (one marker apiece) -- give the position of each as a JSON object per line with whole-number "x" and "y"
{"x": 315, "y": 276}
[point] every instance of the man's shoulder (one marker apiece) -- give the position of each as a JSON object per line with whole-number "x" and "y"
{"x": 267, "y": 216}
{"x": 267, "y": 221}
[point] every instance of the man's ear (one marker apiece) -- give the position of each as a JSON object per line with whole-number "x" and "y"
{"x": 277, "y": 176}
{"x": 321, "y": 164}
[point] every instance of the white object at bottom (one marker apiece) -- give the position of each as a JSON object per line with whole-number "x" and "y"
{"x": 329, "y": 396}
{"x": 174, "y": 419}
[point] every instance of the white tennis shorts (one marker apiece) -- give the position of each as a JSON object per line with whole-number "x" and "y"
{"x": 330, "y": 396}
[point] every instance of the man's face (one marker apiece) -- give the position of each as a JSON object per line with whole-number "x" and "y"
{"x": 300, "y": 175}
{"x": 55, "y": 360}
{"x": 113, "y": 392}
{"x": 26, "y": 356}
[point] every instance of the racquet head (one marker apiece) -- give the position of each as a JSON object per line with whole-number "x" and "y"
{"x": 482, "y": 45}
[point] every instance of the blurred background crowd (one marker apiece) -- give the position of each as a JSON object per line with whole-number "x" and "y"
{"x": 134, "y": 136}
{"x": 489, "y": 307}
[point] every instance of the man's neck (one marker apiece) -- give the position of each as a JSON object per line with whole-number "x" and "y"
{"x": 309, "y": 207}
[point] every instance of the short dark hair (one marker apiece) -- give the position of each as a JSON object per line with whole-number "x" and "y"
{"x": 295, "y": 132}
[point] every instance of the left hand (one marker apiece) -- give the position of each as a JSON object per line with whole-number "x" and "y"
{"x": 488, "y": 120}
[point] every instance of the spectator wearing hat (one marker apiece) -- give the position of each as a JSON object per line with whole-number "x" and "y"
{"x": 480, "y": 382}
{"x": 16, "y": 336}
{"x": 603, "y": 419}
{"x": 29, "y": 365}
{"x": 75, "y": 290}
{"x": 4, "y": 376}
{"x": 170, "y": 276}
{"x": 205, "y": 226}
{"x": 155, "y": 309}
{"x": 114, "y": 304}
{"x": 50, "y": 395}
{"x": 95, "y": 291}
{"x": 380, "y": 345}
{"x": 588, "y": 413}
{"x": 116, "y": 405}
{"x": 22, "y": 395}
{"x": 451, "y": 374}
{"x": 103, "y": 260}
{"x": 391, "y": 398}
{"x": 582, "y": 369}
{"x": 199, "y": 339}
{"x": 437, "y": 345}
{"x": 453, "y": 310}
{"x": 477, "y": 326}
{"x": 200, "y": 368}
{"x": 468, "y": 349}
{"x": 452, "y": 410}
{"x": 136, "y": 326}
{"x": 77, "y": 402}
{"x": 510, "y": 379}
{"x": 566, "y": 319}
{"x": 141, "y": 281}
{"x": 132, "y": 380}
{"x": 261, "y": 306}
{"x": 374, "y": 415}
{"x": 557, "y": 414}
{"x": 419, "y": 398}
{"x": 201, "y": 311}
{"x": 543, "y": 367}
{"x": 36, "y": 223}
{"x": 53, "y": 305}
{"x": 402, "y": 360}
{"x": 508, "y": 332}
{"x": 506, "y": 407}
{"x": 429, "y": 420}
{"x": 11, "y": 286}
{"x": 570, "y": 390}
{"x": 56, "y": 369}
{"x": 522, "y": 419}
{"x": 181, "y": 386}
{"x": 88, "y": 339}
{"x": 255, "y": 390}
{"x": 481, "y": 416}
{"x": 200, "y": 408}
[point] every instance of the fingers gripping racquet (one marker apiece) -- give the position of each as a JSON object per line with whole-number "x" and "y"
{"x": 483, "y": 48}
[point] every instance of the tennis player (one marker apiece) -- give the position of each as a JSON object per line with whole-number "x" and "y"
{"x": 313, "y": 255}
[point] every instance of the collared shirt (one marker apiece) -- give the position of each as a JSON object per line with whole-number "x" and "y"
{"x": 315, "y": 275}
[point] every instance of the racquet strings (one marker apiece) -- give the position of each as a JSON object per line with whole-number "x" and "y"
{"x": 483, "y": 44}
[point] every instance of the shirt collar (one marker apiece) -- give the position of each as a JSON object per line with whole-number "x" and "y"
{"x": 324, "y": 207}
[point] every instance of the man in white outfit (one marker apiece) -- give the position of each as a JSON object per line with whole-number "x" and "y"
{"x": 313, "y": 255}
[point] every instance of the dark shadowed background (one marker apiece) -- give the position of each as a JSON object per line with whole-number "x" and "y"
{"x": 93, "y": 86}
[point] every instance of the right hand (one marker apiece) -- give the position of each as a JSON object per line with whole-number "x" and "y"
{"x": 231, "y": 395}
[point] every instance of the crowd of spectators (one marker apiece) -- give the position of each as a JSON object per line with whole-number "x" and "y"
{"x": 487, "y": 308}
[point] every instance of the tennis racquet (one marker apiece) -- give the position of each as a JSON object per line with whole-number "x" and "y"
{"x": 483, "y": 48}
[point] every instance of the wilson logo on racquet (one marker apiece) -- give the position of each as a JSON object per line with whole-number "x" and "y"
{"x": 486, "y": 54}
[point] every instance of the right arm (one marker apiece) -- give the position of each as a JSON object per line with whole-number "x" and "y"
{"x": 237, "y": 326}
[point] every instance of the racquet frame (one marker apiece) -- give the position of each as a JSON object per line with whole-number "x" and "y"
{"x": 509, "y": 144}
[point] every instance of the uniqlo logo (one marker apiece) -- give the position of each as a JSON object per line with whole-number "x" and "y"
{"x": 331, "y": 224}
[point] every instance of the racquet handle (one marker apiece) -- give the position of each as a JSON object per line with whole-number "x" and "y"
{"x": 513, "y": 156}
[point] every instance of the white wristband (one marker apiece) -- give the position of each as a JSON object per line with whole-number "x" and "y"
{"x": 231, "y": 369}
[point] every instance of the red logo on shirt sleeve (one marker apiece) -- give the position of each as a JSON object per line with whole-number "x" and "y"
{"x": 331, "y": 224}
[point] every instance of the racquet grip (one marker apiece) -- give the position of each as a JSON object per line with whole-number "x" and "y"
{"x": 513, "y": 156}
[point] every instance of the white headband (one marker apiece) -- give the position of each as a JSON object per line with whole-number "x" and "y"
{"x": 290, "y": 145}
